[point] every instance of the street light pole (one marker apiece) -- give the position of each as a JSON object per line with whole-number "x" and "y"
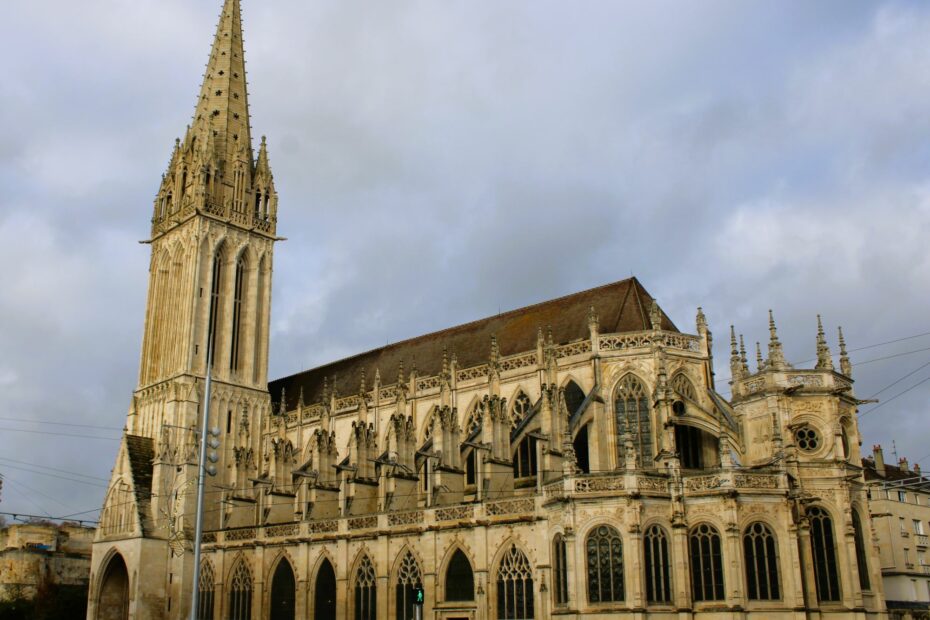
{"x": 201, "y": 470}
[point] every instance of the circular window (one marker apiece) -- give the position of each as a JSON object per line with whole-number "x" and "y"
{"x": 807, "y": 439}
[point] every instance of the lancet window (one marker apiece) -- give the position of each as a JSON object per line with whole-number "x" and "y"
{"x": 240, "y": 593}
{"x": 861, "y": 562}
{"x": 366, "y": 591}
{"x": 706, "y": 564}
{"x": 521, "y": 408}
{"x": 560, "y": 577}
{"x": 471, "y": 467}
{"x": 238, "y": 301}
{"x": 761, "y": 562}
{"x": 474, "y": 420}
{"x": 408, "y": 581}
{"x": 460, "y": 579}
{"x": 823, "y": 548}
{"x": 524, "y": 460}
{"x": 657, "y": 565}
{"x": 604, "y": 551}
{"x": 574, "y": 397}
{"x": 215, "y": 301}
{"x": 631, "y": 405}
{"x": 205, "y": 602}
{"x": 515, "y": 587}
{"x": 283, "y": 592}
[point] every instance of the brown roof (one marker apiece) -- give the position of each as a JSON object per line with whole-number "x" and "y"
{"x": 621, "y": 307}
{"x": 141, "y": 452}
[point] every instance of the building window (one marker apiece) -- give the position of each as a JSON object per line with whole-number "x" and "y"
{"x": 408, "y": 582}
{"x": 807, "y": 439}
{"x": 605, "y": 565}
{"x": 237, "y": 315}
{"x": 761, "y": 562}
{"x": 688, "y": 440}
{"x": 656, "y": 562}
{"x": 861, "y": 562}
{"x": 901, "y": 526}
{"x": 205, "y": 602}
{"x": 521, "y": 408}
{"x": 240, "y": 593}
{"x": 324, "y": 596}
{"x": 706, "y": 564}
{"x": 574, "y": 398}
{"x": 471, "y": 467}
{"x": 524, "y": 461}
{"x": 907, "y": 556}
{"x": 460, "y": 580}
{"x": 283, "y": 592}
{"x": 215, "y": 302}
{"x": 684, "y": 387}
{"x": 823, "y": 548}
{"x": 366, "y": 591}
{"x": 631, "y": 406}
{"x": 582, "y": 454}
{"x": 902, "y": 496}
{"x": 561, "y": 570}
{"x": 918, "y": 527}
{"x": 515, "y": 587}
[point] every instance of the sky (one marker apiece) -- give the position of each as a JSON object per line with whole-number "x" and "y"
{"x": 440, "y": 162}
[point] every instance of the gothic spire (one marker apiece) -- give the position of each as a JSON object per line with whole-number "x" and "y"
{"x": 776, "y": 354}
{"x": 742, "y": 355}
{"x": 736, "y": 366}
{"x": 845, "y": 365}
{"x": 824, "y": 358}
{"x": 223, "y": 106}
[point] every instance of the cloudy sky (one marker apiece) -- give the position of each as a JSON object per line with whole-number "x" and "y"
{"x": 440, "y": 161}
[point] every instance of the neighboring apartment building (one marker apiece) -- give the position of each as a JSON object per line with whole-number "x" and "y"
{"x": 900, "y": 507}
{"x": 34, "y": 555}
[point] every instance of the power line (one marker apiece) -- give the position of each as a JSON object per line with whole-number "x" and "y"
{"x": 42, "y": 473}
{"x": 107, "y": 428}
{"x": 63, "y": 471}
{"x": 24, "y": 430}
{"x": 921, "y": 367}
{"x": 879, "y": 406}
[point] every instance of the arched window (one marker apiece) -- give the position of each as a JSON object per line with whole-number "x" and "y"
{"x": 324, "y": 598}
{"x": 240, "y": 593}
{"x": 605, "y": 565}
{"x": 260, "y": 323}
{"x": 114, "y": 591}
{"x": 521, "y": 408}
{"x": 761, "y": 561}
{"x": 206, "y": 587}
{"x": 823, "y": 552}
{"x": 574, "y": 397}
{"x": 238, "y": 300}
{"x": 684, "y": 387}
{"x": 471, "y": 467}
{"x": 657, "y": 564}
{"x": 473, "y": 425}
{"x": 408, "y": 582}
{"x": 632, "y": 414}
{"x": 580, "y": 445}
{"x": 515, "y": 587}
{"x": 861, "y": 562}
{"x": 706, "y": 564}
{"x": 524, "y": 459}
{"x": 560, "y": 578}
{"x": 366, "y": 591}
{"x": 690, "y": 445}
{"x": 215, "y": 301}
{"x": 283, "y": 589}
{"x": 460, "y": 580}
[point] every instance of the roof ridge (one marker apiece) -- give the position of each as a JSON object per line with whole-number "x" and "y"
{"x": 631, "y": 279}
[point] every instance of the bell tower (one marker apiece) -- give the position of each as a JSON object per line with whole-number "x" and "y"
{"x": 212, "y": 239}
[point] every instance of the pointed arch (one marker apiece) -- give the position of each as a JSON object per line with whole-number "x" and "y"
{"x": 475, "y": 417}
{"x": 239, "y": 301}
{"x": 240, "y": 591}
{"x": 364, "y": 588}
{"x": 823, "y": 547}
{"x": 282, "y": 598}
{"x": 113, "y": 596}
{"x": 657, "y": 564}
{"x": 407, "y": 580}
{"x": 604, "y": 555}
{"x": 215, "y": 305}
{"x": 324, "y": 589}
{"x": 207, "y": 587}
{"x": 862, "y": 562}
{"x": 574, "y": 396}
{"x": 458, "y": 575}
{"x": 560, "y": 569}
{"x": 514, "y": 586}
{"x": 426, "y": 432}
{"x": 261, "y": 322}
{"x": 634, "y": 416}
{"x": 520, "y": 407}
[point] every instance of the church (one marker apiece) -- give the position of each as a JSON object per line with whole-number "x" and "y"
{"x": 570, "y": 459}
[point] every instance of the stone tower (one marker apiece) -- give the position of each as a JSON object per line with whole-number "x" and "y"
{"x": 212, "y": 237}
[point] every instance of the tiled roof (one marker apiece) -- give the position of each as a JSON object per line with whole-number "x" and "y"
{"x": 621, "y": 307}
{"x": 141, "y": 451}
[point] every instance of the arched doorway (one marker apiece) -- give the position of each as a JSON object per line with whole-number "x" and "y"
{"x": 113, "y": 602}
{"x": 283, "y": 588}
{"x": 324, "y": 595}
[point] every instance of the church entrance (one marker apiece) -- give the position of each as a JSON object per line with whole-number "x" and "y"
{"x": 113, "y": 603}
{"x": 324, "y": 597}
{"x": 283, "y": 590}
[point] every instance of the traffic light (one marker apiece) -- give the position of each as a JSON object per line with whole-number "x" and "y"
{"x": 418, "y": 596}
{"x": 213, "y": 443}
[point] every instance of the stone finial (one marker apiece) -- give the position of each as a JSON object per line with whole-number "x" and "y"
{"x": 845, "y": 365}
{"x": 593, "y": 320}
{"x": 282, "y": 409}
{"x": 549, "y": 341}
{"x": 760, "y": 363}
{"x": 300, "y": 399}
{"x": 701, "y": 320}
{"x": 325, "y": 394}
{"x": 401, "y": 374}
{"x": 776, "y": 354}
{"x": 824, "y": 357}
{"x": 736, "y": 366}
{"x": 655, "y": 316}
{"x": 495, "y": 350}
{"x": 445, "y": 363}
{"x": 363, "y": 384}
{"x": 742, "y": 355}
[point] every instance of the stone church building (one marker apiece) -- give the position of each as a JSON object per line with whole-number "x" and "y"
{"x": 571, "y": 459}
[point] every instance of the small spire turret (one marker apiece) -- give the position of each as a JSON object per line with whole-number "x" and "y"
{"x": 845, "y": 365}
{"x": 736, "y": 366}
{"x": 776, "y": 354}
{"x": 824, "y": 358}
{"x": 760, "y": 363}
{"x": 742, "y": 356}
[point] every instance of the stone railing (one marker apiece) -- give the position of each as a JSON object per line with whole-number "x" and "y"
{"x": 363, "y": 523}
{"x": 327, "y": 526}
{"x": 412, "y": 517}
{"x": 515, "y": 362}
{"x": 637, "y": 340}
{"x": 599, "y": 484}
{"x": 454, "y": 513}
{"x": 475, "y": 372}
{"x": 574, "y": 348}
{"x": 287, "y": 529}
{"x": 509, "y": 506}
{"x": 921, "y": 540}
{"x": 245, "y": 533}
